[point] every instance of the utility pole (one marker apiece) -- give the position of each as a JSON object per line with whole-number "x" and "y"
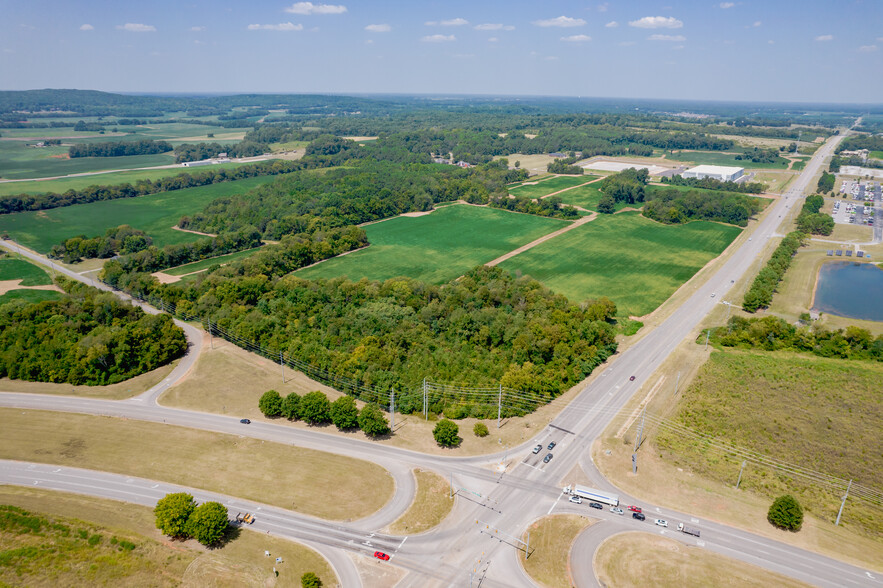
{"x": 392, "y": 407}
{"x": 641, "y": 430}
{"x": 500, "y": 406}
{"x": 842, "y": 504}
{"x": 677, "y": 381}
{"x": 742, "y": 469}
{"x": 425, "y": 408}
{"x": 282, "y": 366}
{"x": 707, "y": 335}
{"x": 210, "y": 337}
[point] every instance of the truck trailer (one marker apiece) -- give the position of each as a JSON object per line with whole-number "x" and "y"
{"x": 688, "y": 530}
{"x": 592, "y": 495}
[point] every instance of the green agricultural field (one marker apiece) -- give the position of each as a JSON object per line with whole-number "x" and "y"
{"x": 813, "y": 412}
{"x": 155, "y": 214}
{"x": 588, "y": 197}
{"x": 30, "y": 295}
{"x": 207, "y": 263}
{"x": 548, "y": 186}
{"x": 718, "y": 158}
{"x": 437, "y": 247}
{"x": 105, "y": 179}
{"x": 18, "y": 269}
{"x": 876, "y": 154}
{"x": 18, "y": 161}
{"x": 636, "y": 262}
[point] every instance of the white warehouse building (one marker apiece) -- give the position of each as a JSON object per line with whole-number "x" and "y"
{"x": 716, "y": 172}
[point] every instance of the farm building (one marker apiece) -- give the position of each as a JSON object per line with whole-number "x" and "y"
{"x": 716, "y": 172}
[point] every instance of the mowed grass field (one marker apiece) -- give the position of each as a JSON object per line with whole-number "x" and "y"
{"x": 636, "y": 262}
{"x": 546, "y": 187}
{"x": 437, "y": 247}
{"x": 155, "y": 214}
{"x": 813, "y": 412}
{"x": 12, "y": 268}
{"x": 728, "y": 159}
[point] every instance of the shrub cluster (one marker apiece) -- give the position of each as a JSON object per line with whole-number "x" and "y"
{"x": 120, "y": 240}
{"x": 786, "y": 513}
{"x": 550, "y": 206}
{"x": 178, "y": 516}
{"x": 811, "y": 220}
{"x": 447, "y": 433}
{"x": 626, "y": 186}
{"x": 760, "y": 294}
{"x": 674, "y": 206}
{"x": 314, "y": 408}
{"x": 564, "y": 166}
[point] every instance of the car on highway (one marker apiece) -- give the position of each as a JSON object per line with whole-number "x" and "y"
{"x": 576, "y": 500}
{"x": 632, "y": 379}
{"x": 548, "y": 458}
{"x": 537, "y": 449}
{"x": 634, "y": 508}
{"x": 381, "y": 555}
{"x": 551, "y": 445}
{"x": 661, "y": 523}
{"x": 596, "y": 505}
{"x": 615, "y": 510}
{"x": 639, "y": 516}
{"x": 712, "y": 294}
{"x": 245, "y": 421}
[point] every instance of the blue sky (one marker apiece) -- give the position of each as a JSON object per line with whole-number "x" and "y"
{"x": 751, "y": 50}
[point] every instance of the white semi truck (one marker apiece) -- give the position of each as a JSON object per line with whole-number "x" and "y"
{"x": 592, "y": 495}
{"x": 688, "y": 530}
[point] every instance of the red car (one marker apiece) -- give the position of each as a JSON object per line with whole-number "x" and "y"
{"x": 381, "y": 555}
{"x": 634, "y": 508}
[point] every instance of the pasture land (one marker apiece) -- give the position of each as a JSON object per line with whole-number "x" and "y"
{"x": 204, "y": 264}
{"x": 430, "y": 507}
{"x": 58, "y": 557}
{"x": 723, "y": 158}
{"x": 671, "y": 563}
{"x": 805, "y": 410}
{"x": 636, "y": 262}
{"x": 30, "y": 295}
{"x": 304, "y": 480}
{"x": 436, "y": 247}
{"x": 551, "y": 539}
{"x": 776, "y": 182}
{"x": 876, "y": 154}
{"x": 534, "y": 164}
{"x": 549, "y": 186}
{"x": 155, "y": 214}
{"x": 18, "y": 161}
{"x": 12, "y": 268}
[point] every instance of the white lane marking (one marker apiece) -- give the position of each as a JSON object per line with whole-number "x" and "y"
{"x": 402, "y": 543}
{"x": 555, "y": 503}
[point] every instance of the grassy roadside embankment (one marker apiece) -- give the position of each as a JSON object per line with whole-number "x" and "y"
{"x": 551, "y": 539}
{"x": 431, "y": 505}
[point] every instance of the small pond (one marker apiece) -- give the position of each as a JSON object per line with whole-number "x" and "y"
{"x": 853, "y": 290}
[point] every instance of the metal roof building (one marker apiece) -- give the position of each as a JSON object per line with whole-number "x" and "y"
{"x": 717, "y": 172}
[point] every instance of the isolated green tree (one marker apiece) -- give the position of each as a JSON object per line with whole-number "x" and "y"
{"x": 270, "y": 403}
{"x": 310, "y": 580}
{"x": 372, "y": 422}
{"x": 172, "y": 512}
{"x": 291, "y": 406}
{"x": 480, "y": 430}
{"x": 208, "y": 522}
{"x": 315, "y": 408}
{"x": 786, "y": 513}
{"x": 607, "y": 205}
{"x": 446, "y": 433}
{"x": 344, "y": 413}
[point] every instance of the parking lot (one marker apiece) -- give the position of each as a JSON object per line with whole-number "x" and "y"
{"x": 859, "y": 203}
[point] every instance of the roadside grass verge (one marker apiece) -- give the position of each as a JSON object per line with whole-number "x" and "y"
{"x": 207, "y": 263}
{"x": 809, "y": 411}
{"x": 13, "y": 268}
{"x": 671, "y": 563}
{"x": 58, "y": 557}
{"x": 303, "y": 480}
{"x": 548, "y": 186}
{"x": 634, "y": 261}
{"x": 155, "y": 214}
{"x": 551, "y": 539}
{"x": 430, "y": 507}
{"x": 118, "y": 391}
{"x": 437, "y": 247}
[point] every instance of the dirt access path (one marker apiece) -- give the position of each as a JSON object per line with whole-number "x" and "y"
{"x": 543, "y": 239}
{"x": 574, "y": 187}
{"x": 9, "y": 285}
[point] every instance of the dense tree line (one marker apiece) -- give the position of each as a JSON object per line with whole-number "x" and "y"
{"x": 673, "y": 206}
{"x": 120, "y": 240}
{"x": 811, "y": 220}
{"x": 118, "y": 148}
{"x": 565, "y": 166}
{"x": 772, "y": 333}
{"x": 314, "y": 408}
{"x": 88, "y": 337}
{"x": 199, "y": 151}
{"x": 626, "y": 186}
{"x": 760, "y": 294}
{"x": 713, "y": 184}
{"x": 839, "y": 161}
{"x": 826, "y": 182}
{"x": 758, "y": 155}
{"x": 551, "y": 206}
{"x": 94, "y": 127}
{"x": 857, "y": 142}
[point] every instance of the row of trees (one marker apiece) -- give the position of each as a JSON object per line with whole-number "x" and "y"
{"x": 120, "y": 240}
{"x": 119, "y": 148}
{"x": 88, "y": 337}
{"x": 713, "y": 184}
{"x": 760, "y": 294}
{"x": 826, "y": 182}
{"x": 314, "y": 408}
{"x": 811, "y": 221}
{"x": 758, "y": 155}
{"x": 565, "y": 166}
{"x": 676, "y": 206}
{"x": 551, "y": 206}
{"x": 772, "y": 333}
{"x": 178, "y": 516}
{"x": 626, "y": 186}
{"x": 199, "y": 151}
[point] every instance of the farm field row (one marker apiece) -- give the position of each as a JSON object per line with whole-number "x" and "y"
{"x": 155, "y": 214}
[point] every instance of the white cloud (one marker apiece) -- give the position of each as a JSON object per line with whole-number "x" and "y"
{"x": 454, "y": 22}
{"x": 378, "y": 28}
{"x": 494, "y": 27}
{"x": 657, "y": 22}
{"x": 603, "y": 7}
{"x": 825, "y": 38}
{"x": 576, "y": 38}
{"x": 282, "y": 26}
{"x": 771, "y": 42}
{"x": 197, "y": 29}
{"x": 310, "y": 8}
{"x": 726, "y": 5}
{"x": 492, "y": 40}
{"x": 880, "y": 38}
{"x": 675, "y": 38}
{"x": 438, "y": 38}
{"x": 756, "y": 24}
{"x": 561, "y": 21}
{"x": 431, "y": 23}
{"x": 867, "y": 48}
{"x": 612, "y": 24}
{"x": 87, "y": 27}
{"x": 137, "y": 27}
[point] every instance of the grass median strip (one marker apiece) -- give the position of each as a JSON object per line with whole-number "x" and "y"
{"x": 302, "y": 480}
{"x": 551, "y": 539}
{"x": 140, "y": 556}
{"x": 641, "y": 559}
{"x": 430, "y": 507}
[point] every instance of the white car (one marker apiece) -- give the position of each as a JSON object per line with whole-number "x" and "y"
{"x": 661, "y": 522}
{"x": 615, "y": 510}
{"x": 576, "y": 500}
